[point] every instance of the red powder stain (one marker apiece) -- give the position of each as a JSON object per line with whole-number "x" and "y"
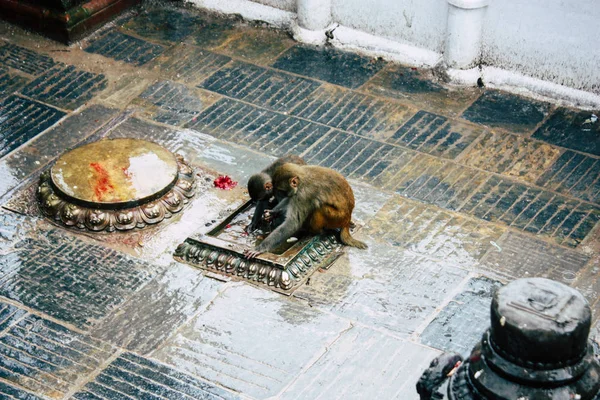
{"x": 126, "y": 172}
{"x": 103, "y": 184}
{"x": 225, "y": 182}
{"x": 227, "y": 226}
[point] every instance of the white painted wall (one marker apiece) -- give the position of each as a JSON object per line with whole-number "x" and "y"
{"x": 287, "y": 5}
{"x": 553, "y": 40}
{"x": 421, "y": 23}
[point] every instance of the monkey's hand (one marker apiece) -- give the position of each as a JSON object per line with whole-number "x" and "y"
{"x": 251, "y": 253}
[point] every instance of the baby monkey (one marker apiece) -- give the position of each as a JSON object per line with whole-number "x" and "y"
{"x": 317, "y": 198}
{"x": 260, "y": 189}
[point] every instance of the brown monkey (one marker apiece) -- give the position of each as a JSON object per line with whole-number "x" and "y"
{"x": 260, "y": 189}
{"x": 318, "y": 198}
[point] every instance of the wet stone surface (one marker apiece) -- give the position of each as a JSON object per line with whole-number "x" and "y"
{"x": 131, "y": 376}
{"x": 47, "y": 358}
{"x": 383, "y": 287}
{"x": 454, "y": 188}
{"x": 330, "y": 65}
{"x": 502, "y": 110}
{"x": 150, "y": 316}
{"x": 65, "y": 87}
{"x": 69, "y": 279}
{"x": 10, "y": 83}
{"x": 122, "y": 47}
{"x": 176, "y": 103}
{"x": 22, "y": 119}
{"x": 252, "y": 341}
{"x": 577, "y": 130}
{"x": 23, "y": 59}
{"x": 374, "y": 365}
{"x": 459, "y": 326}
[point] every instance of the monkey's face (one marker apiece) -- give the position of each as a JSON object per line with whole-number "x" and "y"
{"x": 268, "y": 190}
{"x": 290, "y": 188}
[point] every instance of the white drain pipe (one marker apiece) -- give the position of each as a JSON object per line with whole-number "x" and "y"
{"x": 463, "y": 32}
{"x": 314, "y": 18}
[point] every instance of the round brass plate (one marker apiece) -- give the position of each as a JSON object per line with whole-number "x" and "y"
{"x": 111, "y": 173}
{"x": 116, "y": 184}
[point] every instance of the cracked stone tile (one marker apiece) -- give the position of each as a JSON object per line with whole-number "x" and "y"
{"x": 433, "y": 232}
{"x": 330, "y": 65}
{"x": 131, "y": 376}
{"x": 251, "y": 340}
{"x": 13, "y": 228}
{"x": 511, "y": 155}
{"x": 16, "y": 167}
{"x": 572, "y": 129}
{"x": 507, "y": 111}
{"x": 418, "y": 87}
{"x": 461, "y": 323}
{"x": 383, "y": 286}
{"x": 150, "y": 316}
{"x": 47, "y": 358}
{"x": 70, "y": 279}
{"x": 362, "y": 364}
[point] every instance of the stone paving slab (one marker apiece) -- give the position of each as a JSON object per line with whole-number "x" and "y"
{"x": 17, "y": 167}
{"x": 131, "y": 376}
{"x": 258, "y": 45}
{"x": 12, "y": 392}
{"x": 10, "y": 83}
{"x": 65, "y": 86}
{"x": 163, "y": 24}
{"x": 22, "y": 119}
{"x": 511, "y": 155}
{"x": 13, "y": 227}
{"x": 23, "y": 59}
{"x": 572, "y": 129}
{"x": 47, "y": 358}
{"x": 69, "y": 279}
{"x": 126, "y": 48}
{"x": 189, "y": 64}
{"x": 150, "y": 316}
{"x": 330, "y": 65}
{"x": 520, "y": 256}
{"x": 574, "y": 174}
{"x": 384, "y": 287}
{"x": 259, "y": 129}
{"x": 460, "y": 324}
{"x": 176, "y": 104}
{"x": 433, "y": 232}
{"x": 252, "y": 341}
{"x": 507, "y": 111}
{"x": 418, "y": 87}
{"x": 436, "y": 135}
{"x": 362, "y": 364}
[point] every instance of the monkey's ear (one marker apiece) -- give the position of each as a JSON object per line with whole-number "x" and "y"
{"x": 294, "y": 182}
{"x": 268, "y": 186}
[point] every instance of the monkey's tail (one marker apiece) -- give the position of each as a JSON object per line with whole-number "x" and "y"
{"x": 349, "y": 240}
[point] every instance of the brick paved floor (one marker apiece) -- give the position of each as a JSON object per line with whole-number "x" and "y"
{"x": 458, "y": 191}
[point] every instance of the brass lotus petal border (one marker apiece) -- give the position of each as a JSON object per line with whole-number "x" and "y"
{"x": 60, "y": 210}
{"x": 320, "y": 252}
